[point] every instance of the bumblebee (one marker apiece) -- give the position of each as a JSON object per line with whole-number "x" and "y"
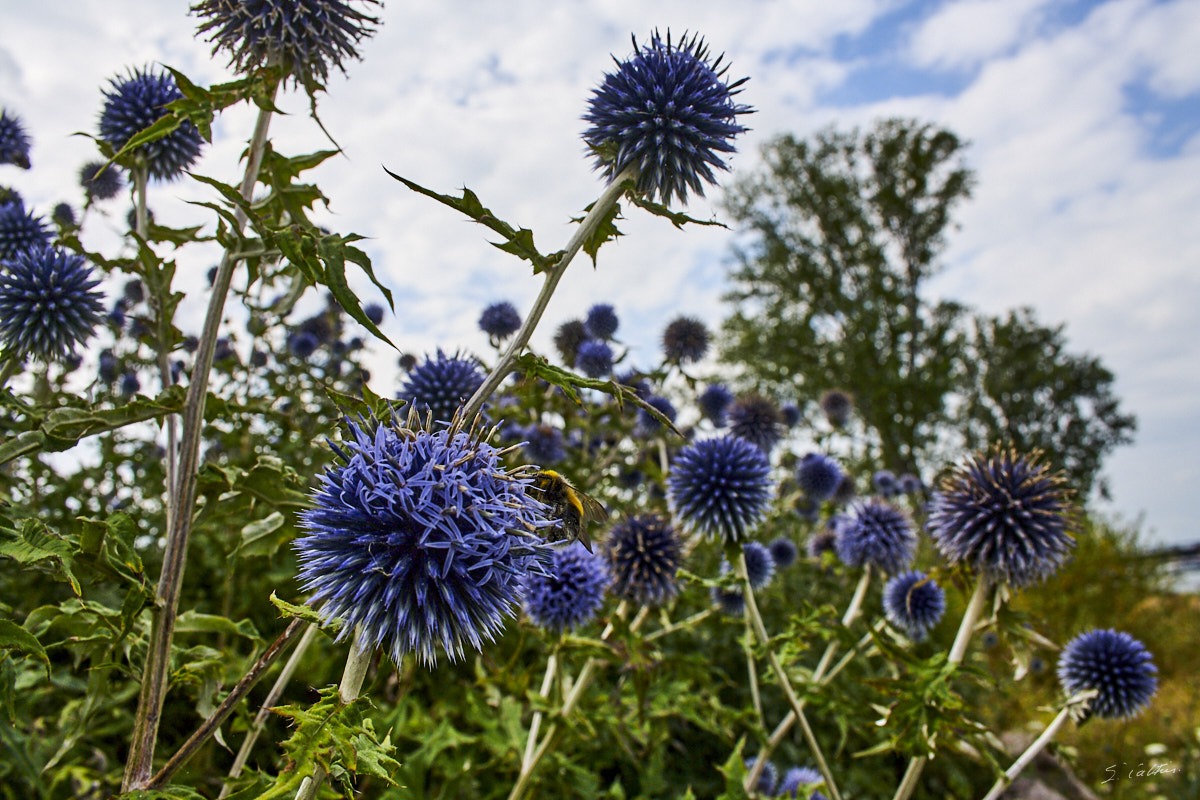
{"x": 573, "y": 509}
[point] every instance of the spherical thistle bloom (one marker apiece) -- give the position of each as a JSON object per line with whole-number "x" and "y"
{"x": 570, "y": 592}
{"x": 302, "y": 344}
{"x": 601, "y": 321}
{"x": 914, "y": 603}
{"x": 720, "y": 487}
{"x": 644, "y": 552}
{"x": 304, "y": 37}
{"x": 101, "y": 182}
{"x": 790, "y": 413}
{"x": 820, "y": 543}
{"x": 544, "y": 445}
{"x": 845, "y": 491}
{"x": 49, "y": 303}
{"x": 647, "y": 423}
{"x": 136, "y": 102}
{"x": 14, "y": 141}
{"x": 730, "y": 600}
{"x": 766, "y": 779}
{"x": 130, "y": 385}
{"x": 668, "y": 111}
{"x": 568, "y": 337}
{"x": 637, "y": 381}
{"x": 1005, "y": 516}
{"x": 63, "y": 215}
{"x": 760, "y": 566}
{"x": 20, "y": 230}
{"x": 1114, "y": 664}
{"x": 756, "y": 419}
{"x": 714, "y": 402}
{"x": 877, "y": 534}
{"x": 818, "y": 476}
{"x": 885, "y": 482}
{"x": 796, "y": 777}
{"x": 685, "y": 340}
{"x": 418, "y": 540}
{"x": 836, "y": 406}
{"x": 783, "y": 552}
{"x": 909, "y": 484}
{"x": 374, "y": 312}
{"x": 407, "y": 362}
{"x": 594, "y": 358}
{"x": 500, "y": 320}
{"x": 441, "y": 384}
{"x": 107, "y": 366}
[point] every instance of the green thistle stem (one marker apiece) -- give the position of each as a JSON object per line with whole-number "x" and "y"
{"x": 357, "y": 663}
{"x": 959, "y": 649}
{"x": 819, "y": 678}
{"x": 687, "y": 622}
{"x": 260, "y": 719}
{"x": 600, "y": 209}
{"x": 781, "y": 675}
{"x": 1031, "y": 752}
{"x": 752, "y": 675}
{"x": 536, "y": 724}
{"x": 573, "y": 696}
{"x": 140, "y": 763}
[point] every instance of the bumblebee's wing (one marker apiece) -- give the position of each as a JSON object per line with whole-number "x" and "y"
{"x": 592, "y": 509}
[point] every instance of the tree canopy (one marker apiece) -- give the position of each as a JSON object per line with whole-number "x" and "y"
{"x": 840, "y": 235}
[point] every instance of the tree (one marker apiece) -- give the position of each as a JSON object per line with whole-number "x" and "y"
{"x": 1018, "y": 370}
{"x": 841, "y": 233}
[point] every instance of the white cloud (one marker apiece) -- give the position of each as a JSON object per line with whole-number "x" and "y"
{"x": 964, "y": 34}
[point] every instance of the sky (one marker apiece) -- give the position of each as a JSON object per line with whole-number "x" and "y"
{"x": 1082, "y": 118}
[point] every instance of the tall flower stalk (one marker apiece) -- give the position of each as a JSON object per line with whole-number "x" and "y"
{"x": 154, "y": 675}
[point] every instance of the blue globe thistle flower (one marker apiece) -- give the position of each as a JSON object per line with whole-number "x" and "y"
{"x": 116, "y": 317}
{"x": 134, "y": 291}
{"x": 20, "y": 230}
{"x": 760, "y": 566}
{"x": 304, "y": 37}
{"x": 136, "y": 102}
{"x": 601, "y": 322}
{"x": 570, "y": 592}
{"x": 885, "y": 483}
{"x": 100, "y": 182}
{"x": 14, "y": 141}
{"x": 755, "y": 419}
{"x": 223, "y": 350}
{"x": 845, "y": 491}
{"x": 714, "y": 402}
{"x": 878, "y": 534}
{"x": 914, "y": 603}
{"x": 783, "y": 552}
{"x": 644, "y": 552}
{"x": 49, "y": 303}
{"x": 130, "y": 385}
{"x": 407, "y": 362}
{"x": 646, "y": 423}
{"x": 374, "y": 312}
{"x": 107, "y": 367}
{"x": 818, "y": 476}
{"x": 796, "y": 777}
{"x": 1005, "y": 516}
{"x": 720, "y": 487}
{"x": 440, "y": 385}
{"x": 500, "y": 320}
{"x": 63, "y": 215}
{"x": 302, "y": 344}
{"x": 568, "y": 337}
{"x": 909, "y": 484}
{"x": 730, "y": 601}
{"x": 545, "y": 445}
{"x": 417, "y": 540}
{"x": 637, "y": 381}
{"x": 766, "y": 779}
{"x": 790, "y": 413}
{"x": 837, "y": 406}
{"x": 668, "y": 111}
{"x": 594, "y": 358}
{"x": 1113, "y": 663}
{"x": 685, "y": 340}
